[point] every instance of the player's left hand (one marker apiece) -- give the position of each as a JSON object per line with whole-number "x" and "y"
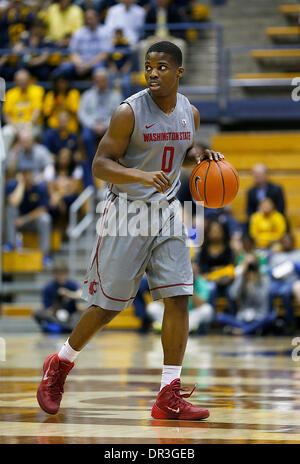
{"x": 211, "y": 155}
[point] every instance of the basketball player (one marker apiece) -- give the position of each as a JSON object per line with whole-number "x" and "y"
{"x": 149, "y": 138}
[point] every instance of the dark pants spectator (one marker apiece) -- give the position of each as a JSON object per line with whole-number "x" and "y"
{"x": 247, "y": 328}
{"x": 139, "y": 304}
{"x": 59, "y": 299}
{"x": 41, "y": 225}
{"x": 90, "y": 141}
{"x": 283, "y": 290}
{"x": 221, "y": 291}
{"x": 49, "y": 322}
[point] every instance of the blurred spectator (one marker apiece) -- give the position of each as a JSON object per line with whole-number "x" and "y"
{"x": 35, "y": 62}
{"x": 59, "y": 299}
{"x": 64, "y": 180}
{"x": 119, "y": 63}
{"x": 250, "y": 292}
{"x": 129, "y": 17}
{"x": 163, "y": 12}
{"x": 284, "y": 271}
{"x": 225, "y": 216}
{"x": 26, "y": 209}
{"x": 216, "y": 259}
{"x": 26, "y": 150}
{"x": 89, "y": 47}
{"x": 248, "y": 247}
{"x": 62, "y": 18}
{"x": 22, "y": 108}
{"x": 96, "y": 108}
{"x": 103, "y": 8}
{"x": 267, "y": 225}
{"x": 89, "y": 4}
{"x": 185, "y": 9}
{"x": 61, "y": 98}
{"x": 4, "y": 5}
{"x": 296, "y": 286}
{"x": 8, "y": 66}
{"x": 17, "y": 19}
{"x": 200, "y": 310}
{"x": 56, "y": 139}
{"x": 11, "y": 61}
{"x": 263, "y": 188}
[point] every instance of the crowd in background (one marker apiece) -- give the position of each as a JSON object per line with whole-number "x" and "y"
{"x": 74, "y": 38}
{"x": 51, "y": 131}
{"x": 52, "y": 125}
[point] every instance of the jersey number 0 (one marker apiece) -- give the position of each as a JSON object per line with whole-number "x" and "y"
{"x": 167, "y": 159}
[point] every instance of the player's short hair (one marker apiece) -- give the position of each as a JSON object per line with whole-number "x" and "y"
{"x": 169, "y": 48}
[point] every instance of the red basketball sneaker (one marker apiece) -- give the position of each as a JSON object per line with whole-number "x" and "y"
{"x": 171, "y": 405}
{"x": 51, "y": 388}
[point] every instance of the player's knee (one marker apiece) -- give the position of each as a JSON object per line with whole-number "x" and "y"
{"x": 179, "y": 302}
{"x": 105, "y": 315}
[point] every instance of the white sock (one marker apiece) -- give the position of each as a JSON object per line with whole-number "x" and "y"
{"x": 67, "y": 353}
{"x": 169, "y": 373}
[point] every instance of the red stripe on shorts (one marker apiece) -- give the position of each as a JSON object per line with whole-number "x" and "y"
{"x": 98, "y": 262}
{"x": 109, "y": 200}
{"x": 164, "y": 286}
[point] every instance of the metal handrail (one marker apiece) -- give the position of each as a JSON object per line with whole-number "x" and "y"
{"x": 230, "y": 82}
{"x": 76, "y": 229}
{"x": 77, "y": 204}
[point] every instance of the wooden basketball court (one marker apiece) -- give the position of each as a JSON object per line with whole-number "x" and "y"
{"x": 250, "y": 385}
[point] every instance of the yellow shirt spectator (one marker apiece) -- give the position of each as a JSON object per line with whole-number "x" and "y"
{"x": 20, "y": 105}
{"x": 265, "y": 229}
{"x": 54, "y": 104}
{"x": 61, "y": 22}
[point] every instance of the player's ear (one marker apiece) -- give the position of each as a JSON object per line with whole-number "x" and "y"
{"x": 180, "y": 72}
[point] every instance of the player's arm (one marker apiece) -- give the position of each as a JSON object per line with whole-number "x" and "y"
{"x": 193, "y": 156}
{"x": 112, "y": 147}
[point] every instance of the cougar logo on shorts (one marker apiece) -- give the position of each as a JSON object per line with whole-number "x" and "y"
{"x": 93, "y": 288}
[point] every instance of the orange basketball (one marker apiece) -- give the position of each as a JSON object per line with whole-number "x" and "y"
{"x": 216, "y": 183}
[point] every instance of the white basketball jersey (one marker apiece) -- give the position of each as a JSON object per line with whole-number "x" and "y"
{"x": 158, "y": 143}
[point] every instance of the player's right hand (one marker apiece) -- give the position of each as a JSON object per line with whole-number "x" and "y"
{"x": 157, "y": 179}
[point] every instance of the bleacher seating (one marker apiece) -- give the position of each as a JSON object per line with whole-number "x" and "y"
{"x": 291, "y": 12}
{"x": 30, "y": 240}
{"x": 286, "y": 9}
{"x": 263, "y": 79}
{"x": 275, "y": 53}
{"x": 283, "y": 34}
{"x": 24, "y": 260}
{"x": 273, "y": 66}
{"x": 287, "y": 59}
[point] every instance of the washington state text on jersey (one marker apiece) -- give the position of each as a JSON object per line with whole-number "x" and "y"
{"x": 162, "y": 136}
